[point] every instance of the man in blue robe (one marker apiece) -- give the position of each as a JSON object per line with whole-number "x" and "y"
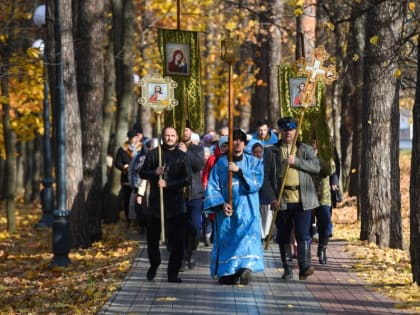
{"x": 237, "y": 249}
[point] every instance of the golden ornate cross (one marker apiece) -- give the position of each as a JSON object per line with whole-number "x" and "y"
{"x": 314, "y": 72}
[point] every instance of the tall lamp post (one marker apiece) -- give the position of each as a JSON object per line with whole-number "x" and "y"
{"x": 61, "y": 242}
{"x": 47, "y": 193}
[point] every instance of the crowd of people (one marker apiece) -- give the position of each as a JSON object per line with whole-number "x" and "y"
{"x": 227, "y": 201}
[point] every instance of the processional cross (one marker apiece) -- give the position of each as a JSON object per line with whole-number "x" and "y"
{"x": 314, "y": 72}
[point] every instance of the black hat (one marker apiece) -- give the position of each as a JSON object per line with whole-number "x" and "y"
{"x": 131, "y": 134}
{"x": 287, "y": 123}
{"x": 239, "y": 134}
{"x": 187, "y": 124}
{"x": 137, "y": 127}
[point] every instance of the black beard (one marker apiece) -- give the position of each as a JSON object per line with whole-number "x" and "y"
{"x": 169, "y": 147}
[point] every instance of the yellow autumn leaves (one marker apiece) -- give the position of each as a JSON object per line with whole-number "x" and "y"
{"x": 387, "y": 270}
{"x": 28, "y": 284}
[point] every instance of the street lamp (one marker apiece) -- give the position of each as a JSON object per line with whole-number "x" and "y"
{"x": 61, "y": 227}
{"x": 47, "y": 193}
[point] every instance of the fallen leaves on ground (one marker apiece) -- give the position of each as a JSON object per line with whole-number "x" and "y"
{"x": 28, "y": 285}
{"x": 386, "y": 270}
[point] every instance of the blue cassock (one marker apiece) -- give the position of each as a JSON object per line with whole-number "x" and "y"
{"x": 236, "y": 239}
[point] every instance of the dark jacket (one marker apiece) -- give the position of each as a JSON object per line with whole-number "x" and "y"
{"x": 195, "y": 156}
{"x": 307, "y": 165}
{"x": 177, "y": 175}
{"x": 123, "y": 157}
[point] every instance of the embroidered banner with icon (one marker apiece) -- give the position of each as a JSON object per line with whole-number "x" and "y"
{"x": 181, "y": 61}
{"x": 315, "y": 125}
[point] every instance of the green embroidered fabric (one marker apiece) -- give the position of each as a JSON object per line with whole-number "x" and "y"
{"x": 315, "y": 123}
{"x": 188, "y": 92}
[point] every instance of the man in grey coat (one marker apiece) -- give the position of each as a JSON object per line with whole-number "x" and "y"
{"x": 299, "y": 196}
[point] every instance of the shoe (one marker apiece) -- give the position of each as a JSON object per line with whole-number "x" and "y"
{"x": 288, "y": 273}
{"x": 151, "y": 273}
{"x": 306, "y": 273}
{"x": 207, "y": 241}
{"x": 183, "y": 266}
{"x": 231, "y": 279}
{"x": 245, "y": 276}
{"x": 191, "y": 263}
{"x": 174, "y": 279}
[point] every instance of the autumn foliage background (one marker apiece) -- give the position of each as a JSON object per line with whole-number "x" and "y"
{"x": 29, "y": 286}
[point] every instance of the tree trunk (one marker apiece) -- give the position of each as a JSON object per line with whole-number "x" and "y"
{"x": 415, "y": 183}
{"x": 90, "y": 79}
{"x": 260, "y": 98}
{"x": 8, "y": 134}
{"x": 246, "y": 68}
{"x": 381, "y": 200}
{"x": 73, "y": 132}
{"x": 36, "y": 176}
{"x": 147, "y": 36}
{"x": 358, "y": 45}
{"x": 274, "y": 59}
{"x": 9, "y": 144}
{"x": 28, "y": 170}
{"x": 123, "y": 42}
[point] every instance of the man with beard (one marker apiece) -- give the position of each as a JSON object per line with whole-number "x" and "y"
{"x": 172, "y": 176}
{"x": 237, "y": 249}
{"x": 193, "y": 195}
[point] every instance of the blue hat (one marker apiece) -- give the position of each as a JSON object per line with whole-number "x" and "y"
{"x": 222, "y": 140}
{"x": 287, "y": 123}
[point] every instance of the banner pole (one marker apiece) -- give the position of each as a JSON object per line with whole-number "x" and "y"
{"x": 292, "y": 152}
{"x": 162, "y": 208}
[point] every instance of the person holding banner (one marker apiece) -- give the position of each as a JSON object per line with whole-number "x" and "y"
{"x": 237, "y": 249}
{"x": 172, "y": 176}
{"x": 299, "y": 197}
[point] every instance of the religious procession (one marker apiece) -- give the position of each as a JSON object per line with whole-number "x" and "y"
{"x": 210, "y": 157}
{"x": 234, "y": 187}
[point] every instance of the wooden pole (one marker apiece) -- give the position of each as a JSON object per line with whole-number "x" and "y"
{"x": 292, "y": 152}
{"x": 230, "y": 135}
{"x": 178, "y": 14}
{"x": 162, "y": 209}
{"x": 230, "y": 54}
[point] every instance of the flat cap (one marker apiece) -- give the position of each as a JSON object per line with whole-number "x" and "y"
{"x": 287, "y": 123}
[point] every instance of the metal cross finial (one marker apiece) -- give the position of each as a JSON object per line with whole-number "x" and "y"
{"x": 314, "y": 72}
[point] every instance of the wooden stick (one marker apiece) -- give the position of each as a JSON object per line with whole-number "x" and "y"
{"x": 178, "y": 14}
{"x": 230, "y": 135}
{"x": 283, "y": 183}
{"x": 162, "y": 209}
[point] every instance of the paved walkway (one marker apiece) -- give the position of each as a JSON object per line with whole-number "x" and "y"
{"x": 331, "y": 290}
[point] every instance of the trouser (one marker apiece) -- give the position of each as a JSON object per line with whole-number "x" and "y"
{"x": 125, "y": 194}
{"x": 324, "y": 224}
{"x": 193, "y": 228}
{"x": 207, "y": 226}
{"x": 175, "y": 238}
{"x": 323, "y": 221}
{"x": 295, "y": 216}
